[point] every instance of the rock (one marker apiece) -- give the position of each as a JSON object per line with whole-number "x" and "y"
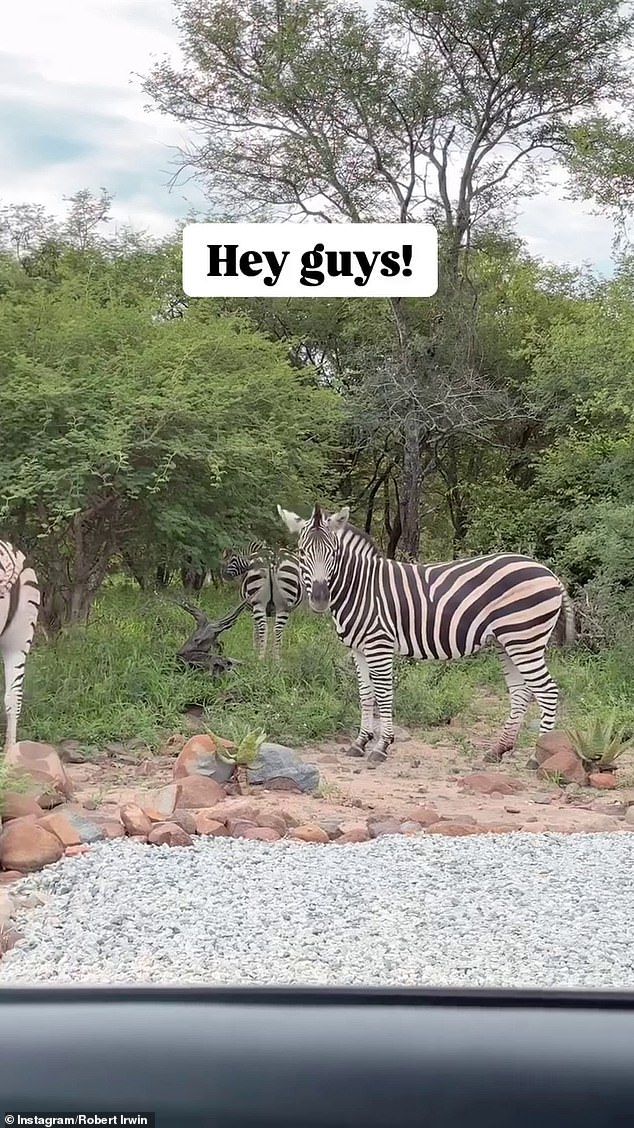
{"x": 550, "y": 743}
{"x": 7, "y": 877}
{"x": 609, "y": 805}
{"x": 73, "y": 851}
{"x": 262, "y": 834}
{"x": 185, "y": 819}
{"x": 74, "y": 825}
{"x": 379, "y": 827}
{"x": 309, "y": 832}
{"x": 629, "y": 816}
{"x": 275, "y": 764}
{"x": 159, "y": 805}
{"x": 205, "y": 825}
{"x": 237, "y": 827}
{"x": 602, "y": 781}
{"x": 273, "y": 822}
{"x": 6, "y": 908}
{"x": 9, "y": 937}
{"x": 491, "y": 783}
{"x": 453, "y": 829}
{"x": 354, "y": 834}
{"x": 41, "y": 763}
{"x": 196, "y": 792}
{"x": 134, "y": 819}
{"x": 564, "y": 765}
{"x": 26, "y": 846}
{"x": 15, "y": 806}
{"x": 332, "y": 826}
{"x": 512, "y": 810}
{"x": 424, "y": 816}
{"x": 410, "y": 827}
{"x": 198, "y": 757}
{"x": 169, "y": 834}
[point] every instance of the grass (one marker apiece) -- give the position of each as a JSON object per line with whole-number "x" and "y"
{"x": 118, "y": 680}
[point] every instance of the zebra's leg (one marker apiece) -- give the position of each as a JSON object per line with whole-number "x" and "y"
{"x": 281, "y": 619}
{"x": 260, "y": 631}
{"x": 520, "y": 696}
{"x": 366, "y": 701}
{"x": 15, "y": 644}
{"x": 381, "y": 668}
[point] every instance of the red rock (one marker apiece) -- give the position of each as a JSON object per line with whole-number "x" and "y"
{"x": 563, "y": 765}
{"x": 41, "y": 763}
{"x": 26, "y": 846}
{"x": 169, "y": 834}
{"x": 356, "y": 834}
{"x": 159, "y": 805}
{"x": 198, "y": 756}
{"x": 273, "y": 822}
{"x": 73, "y": 851}
{"x": 237, "y": 827}
{"x": 491, "y": 783}
{"x": 262, "y": 834}
{"x": 291, "y": 821}
{"x": 410, "y": 827}
{"x": 205, "y": 825}
{"x": 453, "y": 829}
{"x": 186, "y": 820}
{"x": 603, "y": 781}
{"x": 9, "y": 876}
{"x": 379, "y": 827}
{"x": 112, "y": 828}
{"x": 135, "y": 820}
{"x": 550, "y": 743}
{"x": 15, "y": 805}
{"x": 196, "y": 792}
{"x": 424, "y": 816}
{"x": 309, "y": 832}
{"x": 59, "y": 824}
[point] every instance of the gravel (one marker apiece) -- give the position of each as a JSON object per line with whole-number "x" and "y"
{"x": 516, "y": 910}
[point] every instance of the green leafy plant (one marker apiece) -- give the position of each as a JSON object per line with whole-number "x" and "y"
{"x": 244, "y": 756}
{"x": 600, "y": 743}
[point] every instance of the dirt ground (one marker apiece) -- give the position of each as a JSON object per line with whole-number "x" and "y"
{"x": 422, "y": 771}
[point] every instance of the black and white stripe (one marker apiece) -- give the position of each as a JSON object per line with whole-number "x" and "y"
{"x": 19, "y": 610}
{"x": 441, "y": 611}
{"x": 271, "y": 588}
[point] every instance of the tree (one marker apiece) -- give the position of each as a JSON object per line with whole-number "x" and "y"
{"x": 423, "y": 110}
{"x": 130, "y": 432}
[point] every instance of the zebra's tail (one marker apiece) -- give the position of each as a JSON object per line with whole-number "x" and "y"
{"x": 567, "y": 619}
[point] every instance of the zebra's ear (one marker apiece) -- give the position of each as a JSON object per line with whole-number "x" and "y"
{"x": 340, "y": 518}
{"x": 291, "y": 520}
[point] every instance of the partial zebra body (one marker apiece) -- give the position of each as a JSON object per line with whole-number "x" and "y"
{"x": 382, "y": 607}
{"x": 271, "y": 588}
{"x": 19, "y": 609}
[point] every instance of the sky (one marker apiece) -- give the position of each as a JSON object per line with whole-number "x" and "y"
{"x": 73, "y": 116}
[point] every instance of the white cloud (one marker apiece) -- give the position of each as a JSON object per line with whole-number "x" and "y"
{"x": 75, "y": 117}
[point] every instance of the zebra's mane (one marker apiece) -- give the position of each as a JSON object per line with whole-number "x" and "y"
{"x": 361, "y": 535}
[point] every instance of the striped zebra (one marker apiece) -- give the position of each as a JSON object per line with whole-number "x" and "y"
{"x": 271, "y": 587}
{"x": 441, "y": 611}
{"x": 19, "y": 609}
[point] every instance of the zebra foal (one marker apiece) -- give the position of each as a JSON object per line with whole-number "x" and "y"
{"x": 383, "y": 607}
{"x": 19, "y": 610}
{"x": 271, "y": 588}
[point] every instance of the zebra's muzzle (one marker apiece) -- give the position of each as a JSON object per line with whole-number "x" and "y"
{"x": 319, "y": 598}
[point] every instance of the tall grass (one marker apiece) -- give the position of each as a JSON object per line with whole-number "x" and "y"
{"x": 118, "y": 679}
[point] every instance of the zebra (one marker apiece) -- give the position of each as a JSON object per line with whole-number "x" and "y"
{"x": 271, "y": 587}
{"x": 383, "y": 607}
{"x": 19, "y": 611}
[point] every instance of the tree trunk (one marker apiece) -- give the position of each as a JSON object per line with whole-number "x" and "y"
{"x": 410, "y": 488}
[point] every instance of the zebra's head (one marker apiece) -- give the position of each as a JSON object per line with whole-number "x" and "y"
{"x": 236, "y": 564}
{"x": 318, "y": 550}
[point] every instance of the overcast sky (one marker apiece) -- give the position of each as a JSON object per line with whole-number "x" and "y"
{"x": 73, "y": 117}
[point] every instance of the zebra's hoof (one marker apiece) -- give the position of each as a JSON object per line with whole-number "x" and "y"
{"x": 494, "y": 755}
{"x": 376, "y": 757}
{"x": 355, "y": 751}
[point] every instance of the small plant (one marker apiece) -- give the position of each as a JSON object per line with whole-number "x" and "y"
{"x": 244, "y": 756}
{"x": 600, "y": 743}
